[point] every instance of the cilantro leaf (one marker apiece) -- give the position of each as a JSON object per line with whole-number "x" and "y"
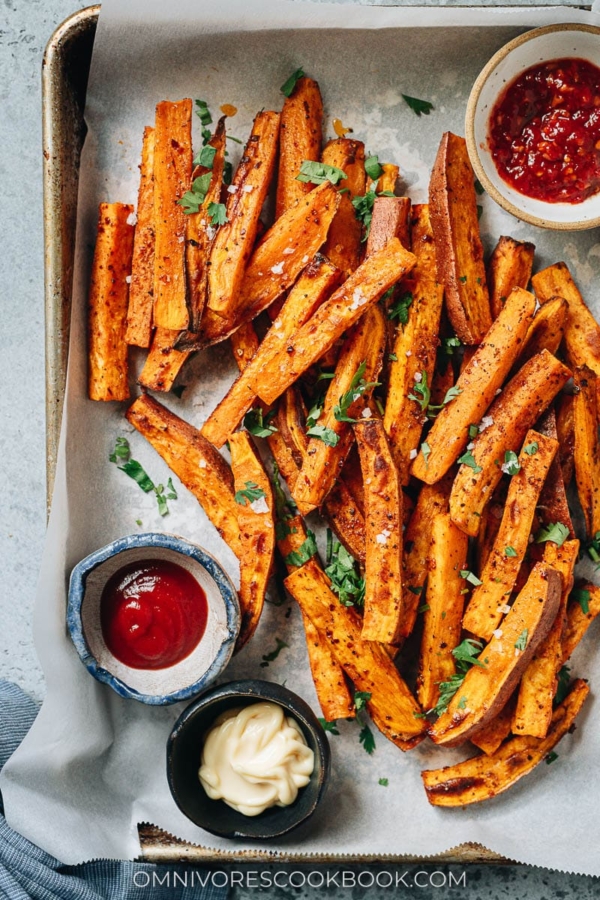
{"x": 361, "y": 698}
{"x": 217, "y": 213}
{"x": 593, "y": 548}
{"x": 322, "y": 433}
{"x": 136, "y": 471}
{"x": 306, "y": 551}
{"x": 420, "y": 107}
{"x": 564, "y": 678}
{"x": 581, "y": 596}
{"x": 479, "y": 187}
{"x": 206, "y": 157}
{"x": 532, "y": 448}
{"x": 329, "y": 727}
{"x": 473, "y": 431}
{"x": 269, "y": 657}
{"x": 511, "y": 463}
{"x": 367, "y": 739}
{"x": 399, "y": 309}
{"x": 426, "y": 451}
{"x": 358, "y": 386}
{"x": 319, "y": 173}
{"x": 470, "y": 577}
{"x": 424, "y": 608}
{"x": 415, "y": 589}
{"x": 384, "y": 782}
{"x": 342, "y": 571}
{"x": 203, "y": 112}
{"x": 462, "y": 703}
{"x": 449, "y": 346}
{"x": 193, "y": 199}
{"x": 287, "y": 88}
{"x": 510, "y": 551}
{"x": 172, "y": 495}
{"x": 257, "y": 425}
{"x": 249, "y": 493}
{"x": 373, "y": 167}
{"x": 467, "y": 459}
{"x": 521, "y": 641}
{"x": 551, "y": 757}
{"x": 422, "y": 392}
{"x": 556, "y": 532}
{"x": 363, "y": 209}
{"x": 447, "y": 691}
{"x": 122, "y": 450}
{"x": 227, "y": 173}
{"x": 466, "y": 655}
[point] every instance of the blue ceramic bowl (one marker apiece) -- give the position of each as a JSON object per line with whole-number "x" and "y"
{"x": 186, "y": 678}
{"x": 184, "y": 752}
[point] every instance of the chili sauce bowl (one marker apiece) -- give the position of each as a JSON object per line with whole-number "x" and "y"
{"x": 564, "y": 41}
{"x": 184, "y": 753}
{"x": 156, "y": 686}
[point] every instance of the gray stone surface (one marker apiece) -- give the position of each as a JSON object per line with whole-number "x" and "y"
{"x": 25, "y": 26}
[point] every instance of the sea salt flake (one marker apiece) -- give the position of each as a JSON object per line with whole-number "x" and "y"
{"x": 413, "y": 453}
{"x": 471, "y": 445}
{"x": 278, "y": 269}
{"x": 418, "y": 377}
{"x": 497, "y": 633}
{"x": 132, "y": 219}
{"x": 288, "y": 251}
{"x": 505, "y": 609}
{"x": 382, "y": 538}
{"x": 248, "y": 188}
{"x": 232, "y": 189}
{"x": 128, "y": 279}
{"x": 366, "y": 413}
{"x": 305, "y": 259}
{"x": 358, "y": 299}
{"x": 202, "y": 464}
{"x": 408, "y": 353}
{"x": 259, "y": 506}
{"x": 485, "y": 423}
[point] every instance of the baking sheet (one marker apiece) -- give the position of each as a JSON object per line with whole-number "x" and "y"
{"x": 93, "y": 765}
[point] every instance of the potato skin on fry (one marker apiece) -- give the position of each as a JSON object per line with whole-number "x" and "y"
{"x": 488, "y": 687}
{"x": 459, "y": 251}
{"x": 194, "y": 460}
{"x": 483, "y": 777}
{"x": 509, "y": 267}
{"x": 586, "y": 453}
{"x": 300, "y": 139}
{"x": 108, "y": 369}
{"x": 392, "y": 707}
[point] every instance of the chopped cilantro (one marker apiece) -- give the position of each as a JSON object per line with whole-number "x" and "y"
{"x": 473, "y": 431}
{"x": 511, "y": 463}
{"x": 373, "y": 167}
{"x": 135, "y": 470}
{"x": 329, "y": 727}
{"x": 306, "y": 551}
{"x": 426, "y": 451}
{"x": 367, "y": 739}
{"x": 420, "y": 107}
{"x": 259, "y": 426}
{"x": 422, "y": 392}
{"x": 383, "y": 782}
{"x": 581, "y": 596}
{"x": 463, "y": 279}
{"x": 556, "y": 532}
{"x": 521, "y": 641}
{"x": 249, "y": 493}
{"x": 424, "y": 608}
{"x": 564, "y": 677}
{"x": 361, "y": 698}
{"x": 193, "y": 199}
{"x": 206, "y": 157}
{"x": 342, "y": 571}
{"x": 415, "y": 589}
{"x": 551, "y": 757}
{"x": 593, "y": 548}
{"x": 318, "y": 173}
{"x": 322, "y": 433}
{"x": 467, "y": 459}
{"x": 530, "y": 449}
{"x": 466, "y": 655}
{"x": 462, "y": 703}
{"x": 392, "y": 357}
{"x": 203, "y": 112}
{"x": 479, "y": 187}
{"x": 470, "y": 577}
{"x": 358, "y": 386}
{"x": 217, "y": 213}
{"x": 510, "y": 551}
{"x": 270, "y": 657}
{"x": 287, "y": 88}
{"x": 399, "y": 309}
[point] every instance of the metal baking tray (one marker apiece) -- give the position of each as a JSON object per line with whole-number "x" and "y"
{"x": 65, "y": 73}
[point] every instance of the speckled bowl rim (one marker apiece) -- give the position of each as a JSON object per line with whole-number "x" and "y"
{"x": 255, "y": 690}
{"x": 491, "y": 189}
{"x": 77, "y": 586}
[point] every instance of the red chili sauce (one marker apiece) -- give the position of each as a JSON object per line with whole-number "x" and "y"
{"x": 544, "y": 131}
{"x": 153, "y": 614}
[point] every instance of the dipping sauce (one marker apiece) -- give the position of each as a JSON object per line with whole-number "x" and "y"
{"x": 153, "y": 614}
{"x": 544, "y": 131}
{"x": 254, "y": 758}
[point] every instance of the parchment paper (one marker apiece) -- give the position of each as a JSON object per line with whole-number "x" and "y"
{"x": 93, "y": 765}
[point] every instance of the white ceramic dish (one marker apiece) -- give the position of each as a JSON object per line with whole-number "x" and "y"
{"x": 539, "y": 45}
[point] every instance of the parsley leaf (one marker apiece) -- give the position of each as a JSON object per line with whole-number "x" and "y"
{"x": 450, "y": 345}
{"x": 193, "y": 199}
{"x": 551, "y": 757}
{"x": 257, "y": 425}
{"x": 358, "y": 386}
{"x": 122, "y": 450}
{"x": 581, "y": 596}
{"x": 329, "y": 727}
{"x": 511, "y": 463}
{"x": 135, "y": 470}
{"x": 470, "y": 577}
{"x": 466, "y": 655}
{"x": 306, "y": 551}
{"x": 510, "y": 551}
{"x": 384, "y": 782}
{"x": 557, "y": 533}
{"x": 203, "y": 112}
{"x": 415, "y": 589}
{"x": 447, "y": 691}
{"x": 269, "y": 657}
{"x": 367, "y": 739}
{"x": 361, "y": 698}
{"x": 593, "y": 548}
{"x": 467, "y": 459}
{"x": 322, "y": 433}
{"x": 287, "y": 88}
{"x": 462, "y": 703}
{"x": 521, "y": 641}
{"x": 206, "y": 157}
{"x": 373, "y": 167}
{"x": 473, "y": 431}
{"x": 399, "y": 309}
{"x": 249, "y": 493}
{"x": 422, "y": 392}
{"x": 217, "y": 213}
{"x": 319, "y": 173}
{"x": 426, "y": 451}
{"x": 420, "y": 107}
{"x": 342, "y": 571}
{"x": 564, "y": 678}
{"x": 530, "y": 449}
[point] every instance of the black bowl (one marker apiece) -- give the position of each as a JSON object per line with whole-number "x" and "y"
{"x": 184, "y": 750}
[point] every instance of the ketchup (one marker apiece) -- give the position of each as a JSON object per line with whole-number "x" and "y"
{"x": 544, "y": 131}
{"x": 153, "y": 614}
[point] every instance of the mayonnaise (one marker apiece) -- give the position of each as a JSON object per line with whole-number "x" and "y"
{"x": 254, "y": 758}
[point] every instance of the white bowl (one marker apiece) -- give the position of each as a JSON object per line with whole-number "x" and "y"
{"x": 537, "y": 46}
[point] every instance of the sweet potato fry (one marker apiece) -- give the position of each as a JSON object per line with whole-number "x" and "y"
{"x": 488, "y": 685}
{"x": 499, "y": 574}
{"x": 346, "y": 520}
{"x": 579, "y": 621}
{"x": 582, "y": 332}
{"x": 422, "y": 243}
{"x": 163, "y": 363}
{"x": 495, "y": 732}
{"x": 141, "y": 287}
{"x": 432, "y": 500}
{"x": 565, "y": 428}
{"x": 235, "y": 239}
{"x": 200, "y": 233}
{"x": 194, "y": 460}
{"x": 107, "y": 376}
{"x": 483, "y": 777}
{"x": 546, "y": 330}
{"x": 392, "y": 707}
{"x": 345, "y": 307}
{"x": 459, "y": 252}
{"x": 388, "y": 179}
{"x": 442, "y": 620}
{"x": 509, "y": 267}
{"x": 172, "y": 174}
{"x": 476, "y": 387}
{"x": 276, "y": 263}
{"x": 323, "y": 462}
{"x": 244, "y": 344}
{"x": 521, "y": 403}
{"x": 391, "y": 218}
{"x": 587, "y": 448}
{"x": 319, "y": 278}
{"x": 300, "y": 139}
{"x": 533, "y": 714}
{"x": 255, "y": 505}
{"x": 343, "y": 246}
{"x": 553, "y": 505}
{"x": 383, "y": 521}
{"x": 491, "y": 518}
{"x": 330, "y": 682}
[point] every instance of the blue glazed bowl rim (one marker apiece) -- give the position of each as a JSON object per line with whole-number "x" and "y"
{"x": 76, "y": 595}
